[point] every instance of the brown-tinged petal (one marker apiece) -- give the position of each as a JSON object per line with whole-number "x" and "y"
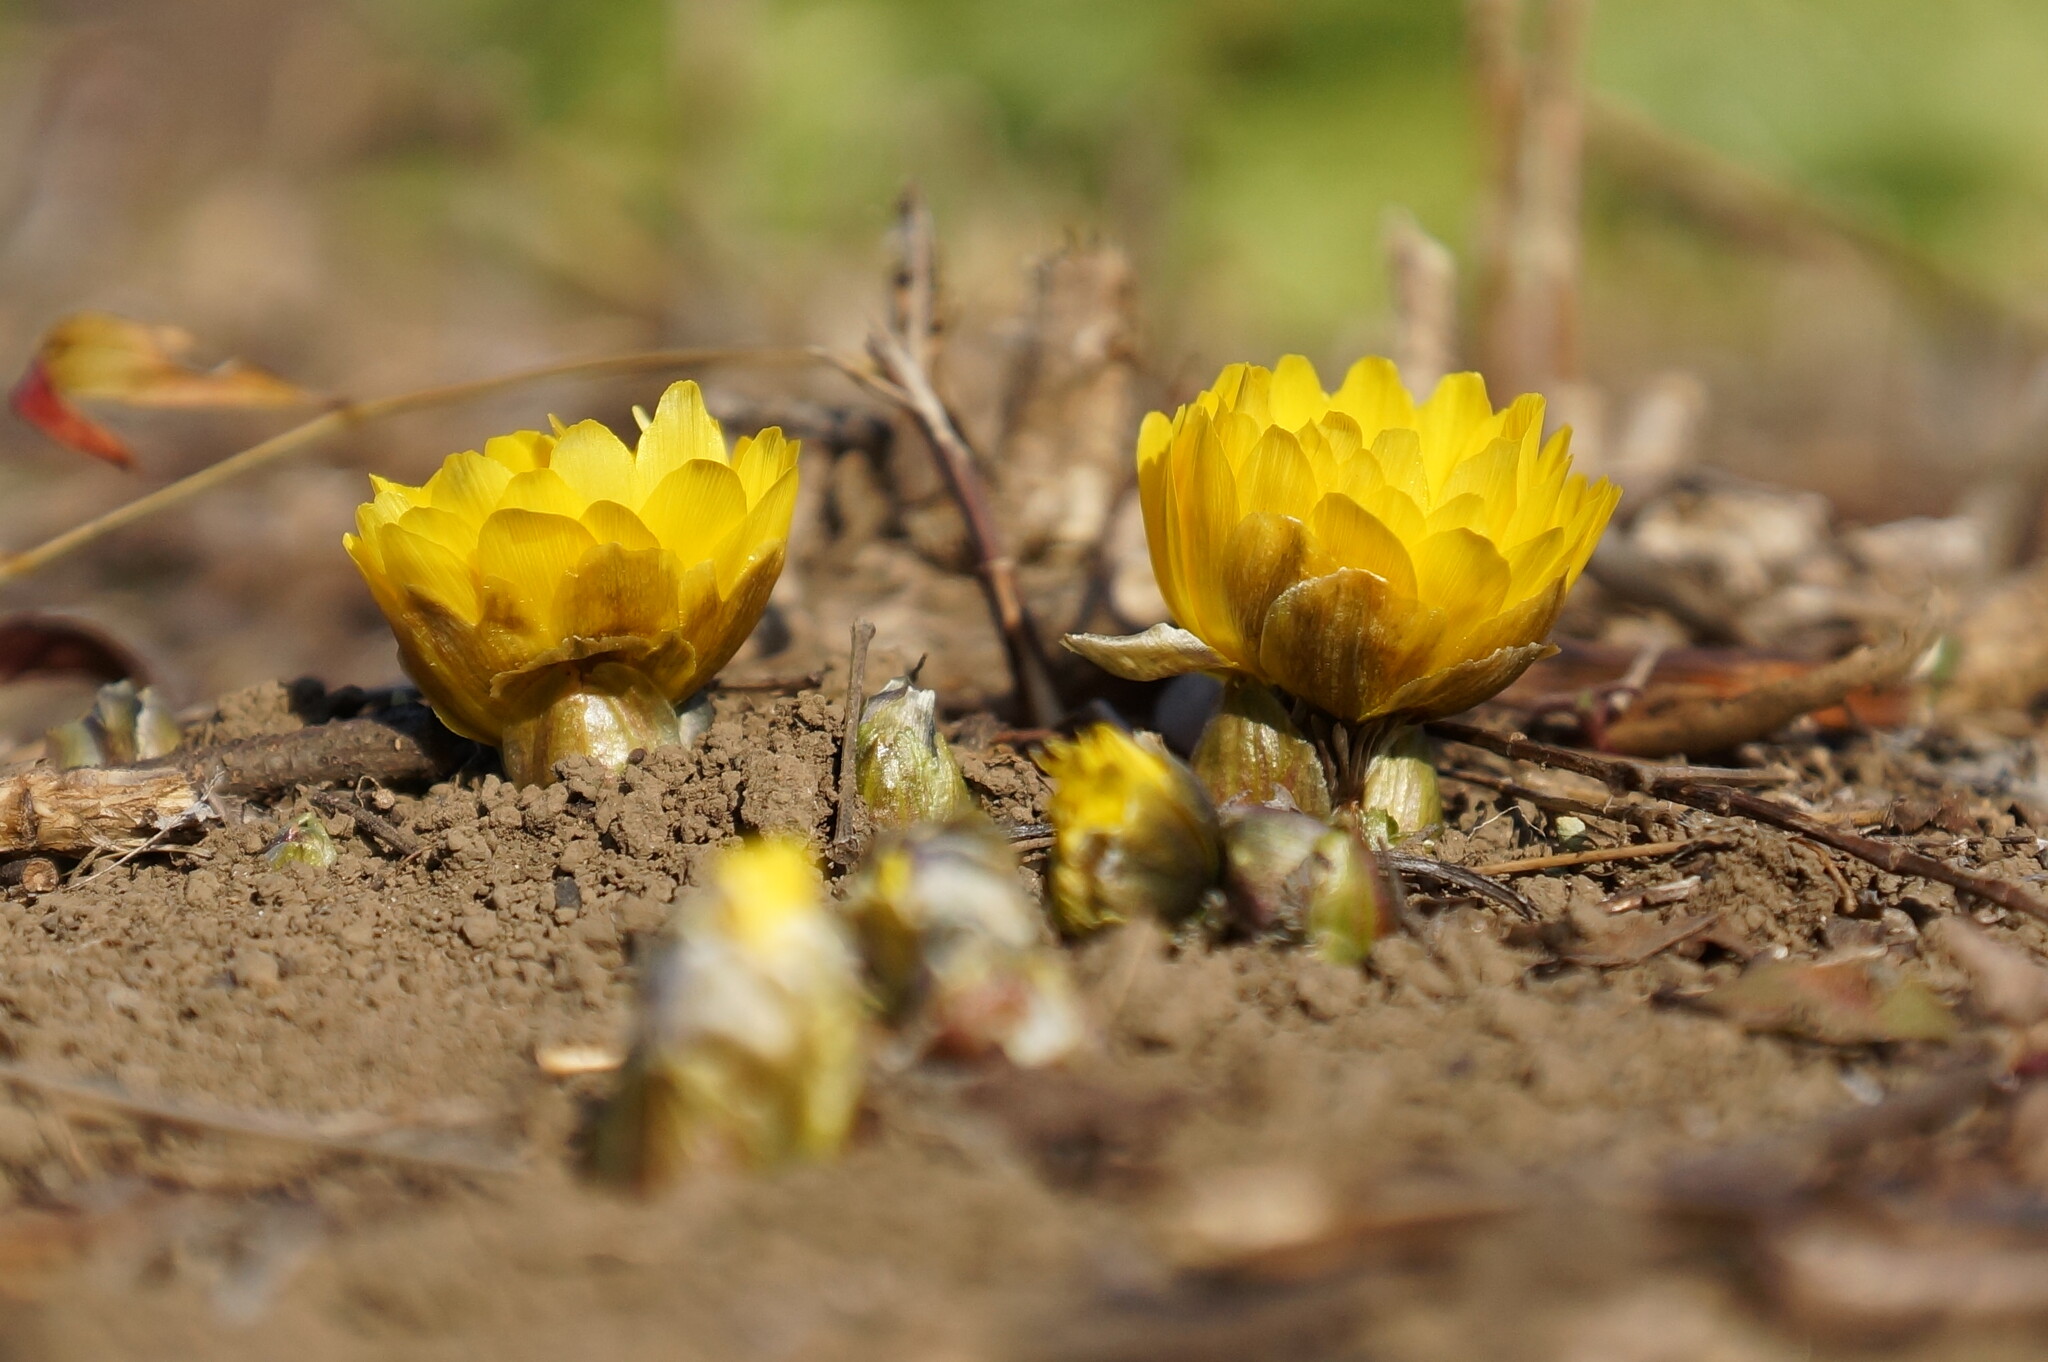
{"x": 617, "y": 590}
{"x": 1343, "y": 641}
{"x": 1163, "y": 650}
{"x": 1458, "y": 688}
{"x": 1265, "y": 556}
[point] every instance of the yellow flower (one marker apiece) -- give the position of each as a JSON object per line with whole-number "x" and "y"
{"x": 750, "y": 1043}
{"x": 1134, "y": 833}
{"x": 1366, "y": 553}
{"x": 560, "y": 593}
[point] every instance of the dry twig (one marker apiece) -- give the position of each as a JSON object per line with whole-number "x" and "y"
{"x": 1595, "y": 855}
{"x": 1680, "y": 786}
{"x": 849, "y": 821}
{"x": 904, "y": 351}
{"x": 1459, "y": 880}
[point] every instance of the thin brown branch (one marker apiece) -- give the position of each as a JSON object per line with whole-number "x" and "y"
{"x": 1458, "y": 879}
{"x": 906, "y": 380}
{"x": 1641, "y": 851}
{"x": 1679, "y": 786}
{"x": 401, "y": 840}
{"x": 849, "y": 823}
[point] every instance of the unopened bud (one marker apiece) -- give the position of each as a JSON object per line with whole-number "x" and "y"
{"x": 124, "y": 725}
{"x": 1134, "y": 833}
{"x": 1401, "y": 787}
{"x": 1297, "y": 878}
{"x": 749, "y": 1043}
{"x": 958, "y": 949}
{"x": 303, "y": 842}
{"x": 1251, "y": 752}
{"x": 905, "y": 768}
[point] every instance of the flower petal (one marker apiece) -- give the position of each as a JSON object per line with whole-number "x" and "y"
{"x": 695, "y": 507}
{"x": 1263, "y": 558}
{"x": 767, "y": 523}
{"x": 1296, "y": 396}
{"x": 532, "y": 553}
{"x": 542, "y": 490}
{"x": 520, "y": 452}
{"x": 1374, "y": 396}
{"x": 420, "y": 562}
{"x": 619, "y": 591}
{"x": 1154, "y": 655}
{"x": 468, "y": 485}
{"x": 1355, "y": 538}
{"x": 611, "y": 523}
{"x": 682, "y": 430}
{"x": 1460, "y": 573}
{"x": 761, "y": 460}
{"x": 595, "y": 463}
{"x": 1458, "y": 688}
{"x": 1344, "y": 641}
{"x": 1276, "y": 477}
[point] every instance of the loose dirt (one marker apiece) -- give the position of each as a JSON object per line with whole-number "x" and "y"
{"x": 1509, "y": 1108}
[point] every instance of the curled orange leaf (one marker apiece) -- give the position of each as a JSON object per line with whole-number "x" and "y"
{"x": 102, "y": 357}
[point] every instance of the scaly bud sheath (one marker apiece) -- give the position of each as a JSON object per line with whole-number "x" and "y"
{"x": 750, "y": 1036}
{"x": 1400, "y": 784}
{"x": 304, "y": 842}
{"x": 1251, "y": 752}
{"x": 607, "y": 711}
{"x": 905, "y": 768}
{"x": 958, "y": 950}
{"x": 1134, "y": 832}
{"x": 1297, "y": 878}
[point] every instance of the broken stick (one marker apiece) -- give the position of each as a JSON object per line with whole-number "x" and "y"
{"x": 1673, "y": 783}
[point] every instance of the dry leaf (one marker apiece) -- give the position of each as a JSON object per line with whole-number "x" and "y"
{"x": 1840, "y": 1002}
{"x": 1698, "y": 724}
{"x": 46, "y": 645}
{"x": 98, "y": 356}
{"x": 2007, "y": 984}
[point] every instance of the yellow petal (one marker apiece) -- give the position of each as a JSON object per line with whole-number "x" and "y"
{"x": 445, "y": 528}
{"x": 542, "y": 490}
{"x": 1450, "y": 422}
{"x": 520, "y": 452}
{"x": 1397, "y": 458}
{"x": 595, "y": 463}
{"x": 695, "y": 507}
{"x": 1355, "y": 538}
{"x": 468, "y": 485}
{"x": 1535, "y": 562}
{"x": 681, "y": 430}
{"x": 532, "y": 553}
{"x": 1155, "y": 436}
{"x": 1489, "y": 475}
{"x": 446, "y": 659}
{"x": 761, "y": 460}
{"x": 1296, "y": 396}
{"x": 1467, "y": 512}
{"x": 1393, "y": 509}
{"x": 1262, "y": 559}
{"x": 1205, "y": 494}
{"x": 767, "y": 523}
{"x": 1460, "y": 573}
{"x": 1276, "y": 478}
{"x": 611, "y": 523}
{"x": 435, "y": 571}
{"x": 1374, "y": 396}
{"x": 1526, "y": 621}
{"x": 618, "y": 591}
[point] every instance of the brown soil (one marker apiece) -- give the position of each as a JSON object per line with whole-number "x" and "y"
{"x": 1515, "y": 1105}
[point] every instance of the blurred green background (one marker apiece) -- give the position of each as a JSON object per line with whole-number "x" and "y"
{"x": 371, "y": 195}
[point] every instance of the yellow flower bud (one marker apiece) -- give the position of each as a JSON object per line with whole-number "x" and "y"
{"x": 1371, "y": 555}
{"x": 1134, "y": 832}
{"x": 905, "y": 768}
{"x": 750, "y": 1038}
{"x": 304, "y": 842}
{"x": 958, "y": 948}
{"x": 1301, "y": 879}
{"x": 559, "y": 594}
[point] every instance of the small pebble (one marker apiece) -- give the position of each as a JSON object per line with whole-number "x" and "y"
{"x": 479, "y": 929}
